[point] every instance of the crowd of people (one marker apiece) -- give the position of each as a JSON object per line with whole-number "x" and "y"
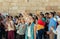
{"x": 30, "y": 26}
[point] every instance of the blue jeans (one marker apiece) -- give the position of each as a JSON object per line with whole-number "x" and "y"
{"x": 40, "y": 34}
{"x": 37, "y": 35}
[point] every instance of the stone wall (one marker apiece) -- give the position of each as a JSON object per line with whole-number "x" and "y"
{"x": 17, "y": 6}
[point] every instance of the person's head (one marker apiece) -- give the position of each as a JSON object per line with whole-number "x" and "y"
{"x": 41, "y": 12}
{"x": 54, "y": 12}
{"x": 16, "y": 17}
{"x": 46, "y": 14}
{"x": 31, "y": 19}
{"x": 58, "y": 14}
{"x": 35, "y": 18}
{"x": 51, "y": 14}
{"x": 22, "y": 20}
{"x": 58, "y": 21}
{"x": 20, "y": 15}
{"x": 30, "y": 14}
{"x": 41, "y": 16}
{"x": 9, "y": 18}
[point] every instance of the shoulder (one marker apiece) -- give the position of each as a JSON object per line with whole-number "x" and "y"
{"x": 58, "y": 26}
{"x": 53, "y": 19}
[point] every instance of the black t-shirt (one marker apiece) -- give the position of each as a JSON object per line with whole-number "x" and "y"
{"x": 1, "y": 27}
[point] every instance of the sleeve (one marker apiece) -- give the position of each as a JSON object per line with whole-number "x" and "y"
{"x": 54, "y": 31}
{"x": 26, "y": 24}
{"x": 52, "y": 23}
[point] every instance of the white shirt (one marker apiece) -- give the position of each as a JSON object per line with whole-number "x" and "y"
{"x": 9, "y": 26}
{"x": 29, "y": 34}
{"x": 57, "y": 32}
{"x": 56, "y": 17}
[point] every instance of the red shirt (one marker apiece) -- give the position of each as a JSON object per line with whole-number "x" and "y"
{"x": 40, "y": 22}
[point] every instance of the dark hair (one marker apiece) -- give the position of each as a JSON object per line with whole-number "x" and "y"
{"x": 16, "y": 16}
{"x": 52, "y": 13}
{"x": 20, "y": 15}
{"x": 36, "y": 17}
{"x": 8, "y": 16}
{"x": 11, "y": 17}
{"x": 41, "y": 12}
{"x": 30, "y": 14}
{"x": 34, "y": 20}
{"x": 46, "y": 13}
{"x": 42, "y": 15}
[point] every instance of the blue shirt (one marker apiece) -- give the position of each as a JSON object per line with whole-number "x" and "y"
{"x": 53, "y": 23}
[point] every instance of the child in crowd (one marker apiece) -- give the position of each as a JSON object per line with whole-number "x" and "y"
{"x": 57, "y": 30}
